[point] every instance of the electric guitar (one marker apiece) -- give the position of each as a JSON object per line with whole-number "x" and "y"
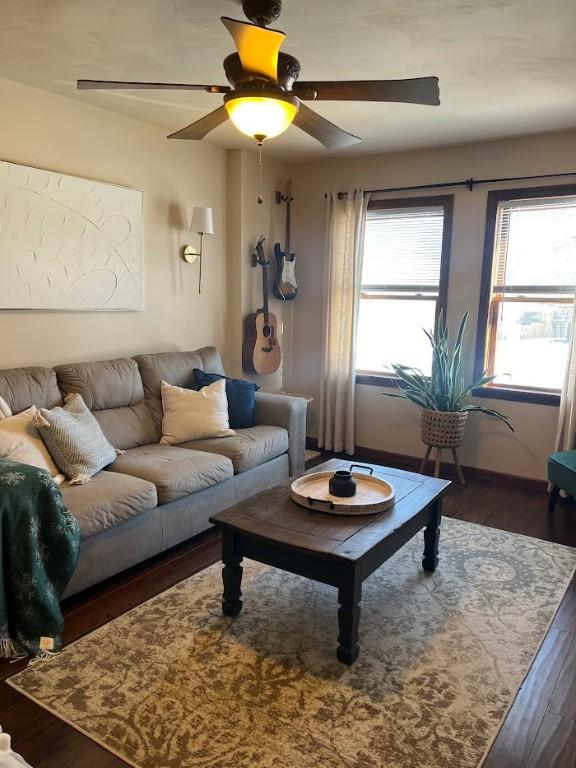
{"x": 285, "y": 286}
{"x": 261, "y": 350}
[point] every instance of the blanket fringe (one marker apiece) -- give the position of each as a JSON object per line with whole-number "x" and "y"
{"x": 9, "y": 649}
{"x": 43, "y": 656}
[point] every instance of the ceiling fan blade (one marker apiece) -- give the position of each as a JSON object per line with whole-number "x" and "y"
{"x": 257, "y": 46}
{"x": 323, "y": 130}
{"x": 199, "y": 128}
{"x": 112, "y": 85}
{"x": 418, "y": 90}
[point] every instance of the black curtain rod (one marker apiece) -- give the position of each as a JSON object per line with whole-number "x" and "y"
{"x": 468, "y": 183}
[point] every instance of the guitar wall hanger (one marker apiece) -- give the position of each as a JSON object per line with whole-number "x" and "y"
{"x": 254, "y": 262}
{"x": 280, "y": 198}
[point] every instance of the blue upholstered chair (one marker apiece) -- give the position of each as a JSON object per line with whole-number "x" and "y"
{"x": 562, "y": 475}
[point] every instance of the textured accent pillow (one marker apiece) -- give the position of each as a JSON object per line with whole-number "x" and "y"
{"x": 20, "y": 441}
{"x": 240, "y": 394}
{"x": 75, "y": 439}
{"x": 5, "y": 411}
{"x": 192, "y": 415}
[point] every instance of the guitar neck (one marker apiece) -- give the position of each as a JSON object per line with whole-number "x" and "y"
{"x": 288, "y": 227}
{"x": 265, "y": 292}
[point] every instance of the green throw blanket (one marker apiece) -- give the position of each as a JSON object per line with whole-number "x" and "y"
{"x": 38, "y": 553}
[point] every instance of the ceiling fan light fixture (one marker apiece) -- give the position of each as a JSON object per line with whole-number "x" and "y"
{"x": 261, "y": 116}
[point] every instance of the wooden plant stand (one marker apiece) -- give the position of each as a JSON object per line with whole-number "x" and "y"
{"x": 443, "y": 430}
{"x": 438, "y": 461}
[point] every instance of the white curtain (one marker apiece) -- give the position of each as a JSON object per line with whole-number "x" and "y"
{"x": 345, "y": 224}
{"x": 566, "y": 432}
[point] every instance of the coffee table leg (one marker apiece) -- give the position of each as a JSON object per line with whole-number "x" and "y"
{"x": 349, "y": 597}
{"x": 432, "y": 537}
{"x": 231, "y": 576}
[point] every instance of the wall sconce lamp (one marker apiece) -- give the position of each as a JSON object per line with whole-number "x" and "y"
{"x": 201, "y": 224}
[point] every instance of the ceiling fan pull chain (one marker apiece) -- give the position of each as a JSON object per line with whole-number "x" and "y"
{"x": 260, "y": 199}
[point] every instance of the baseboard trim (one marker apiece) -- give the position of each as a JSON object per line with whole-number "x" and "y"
{"x": 412, "y": 464}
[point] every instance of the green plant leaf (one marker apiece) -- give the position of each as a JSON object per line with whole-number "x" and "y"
{"x": 444, "y": 389}
{"x": 409, "y": 395}
{"x": 489, "y": 412}
{"x": 484, "y": 379}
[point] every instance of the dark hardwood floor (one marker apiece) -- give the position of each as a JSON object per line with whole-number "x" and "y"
{"x": 539, "y": 731}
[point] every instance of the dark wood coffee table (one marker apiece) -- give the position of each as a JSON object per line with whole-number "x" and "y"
{"x": 337, "y": 550}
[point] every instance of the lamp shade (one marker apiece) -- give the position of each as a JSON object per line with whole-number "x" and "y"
{"x": 202, "y": 220}
{"x": 262, "y": 117}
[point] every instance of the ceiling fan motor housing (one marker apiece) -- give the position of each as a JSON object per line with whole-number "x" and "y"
{"x": 262, "y": 12}
{"x": 288, "y": 72}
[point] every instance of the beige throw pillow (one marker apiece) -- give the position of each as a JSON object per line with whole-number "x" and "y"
{"x": 193, "y": 415}
{"x": 5, "y": 411}
{"x": 20, "y": 441}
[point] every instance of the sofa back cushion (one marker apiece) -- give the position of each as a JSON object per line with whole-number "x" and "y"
{"x": 23, "y": 387}
{"x": 177, "y": 368}
{"x": 113, "y": 391}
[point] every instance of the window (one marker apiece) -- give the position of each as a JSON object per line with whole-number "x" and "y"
{"x": 404, "y": 282}
{"x": 527, "y": 296}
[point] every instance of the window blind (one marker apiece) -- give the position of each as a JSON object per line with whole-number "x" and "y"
{"x": 403, "y": 248}
{"x": 535, "y": 244}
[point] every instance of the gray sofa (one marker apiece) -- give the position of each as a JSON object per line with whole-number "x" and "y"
{"x": 156, "y": 496}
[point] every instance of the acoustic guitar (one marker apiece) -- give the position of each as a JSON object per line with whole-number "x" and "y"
{"x": 285, "y": 286}
{"x": 261, "y": 350}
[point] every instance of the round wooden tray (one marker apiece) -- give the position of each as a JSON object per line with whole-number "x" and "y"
{"x": 373, "y": 495}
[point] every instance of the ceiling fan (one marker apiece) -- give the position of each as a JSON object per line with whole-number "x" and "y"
{"x": 264, "y": 96}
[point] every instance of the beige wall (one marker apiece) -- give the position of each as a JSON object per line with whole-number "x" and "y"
{"x": 51, "y": 132}
{"x": 387, "y": 424}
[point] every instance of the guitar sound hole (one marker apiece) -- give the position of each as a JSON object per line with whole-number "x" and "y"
{"x": 266, "y": 331}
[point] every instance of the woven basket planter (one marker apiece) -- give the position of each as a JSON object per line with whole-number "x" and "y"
{"x": 443, "y": 429}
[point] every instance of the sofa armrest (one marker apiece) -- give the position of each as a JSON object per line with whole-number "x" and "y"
{"x": 288, "y": 412}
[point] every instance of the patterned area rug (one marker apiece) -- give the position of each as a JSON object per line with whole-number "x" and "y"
{"x": 174, "y": 684}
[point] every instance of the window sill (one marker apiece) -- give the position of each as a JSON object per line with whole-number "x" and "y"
{"x": 518, "y": 395}
{"x": 379, "y": 380}
{"x": 496, "y": 393}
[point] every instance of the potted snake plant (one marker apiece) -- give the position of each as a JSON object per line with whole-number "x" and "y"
{"x": 443, "y": 396}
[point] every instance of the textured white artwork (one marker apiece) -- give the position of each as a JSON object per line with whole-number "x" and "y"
{"x": 68, "y": 243}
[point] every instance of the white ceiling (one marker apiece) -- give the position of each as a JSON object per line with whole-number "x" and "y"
{"x": 506, "y": 67}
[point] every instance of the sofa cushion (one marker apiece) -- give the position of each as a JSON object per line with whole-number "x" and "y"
{"x": 175, "y": 471}
{"x": 23, "y": 387}
{"x": 177, "y": 369}
{"x": 109, "y": 499}
{"x": 113, "y": 391}
{"x": 104, "y": 384}
{"x": 247, "y": 448}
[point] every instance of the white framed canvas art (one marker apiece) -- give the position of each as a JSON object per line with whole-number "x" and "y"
{"x": 68, "y": 243}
